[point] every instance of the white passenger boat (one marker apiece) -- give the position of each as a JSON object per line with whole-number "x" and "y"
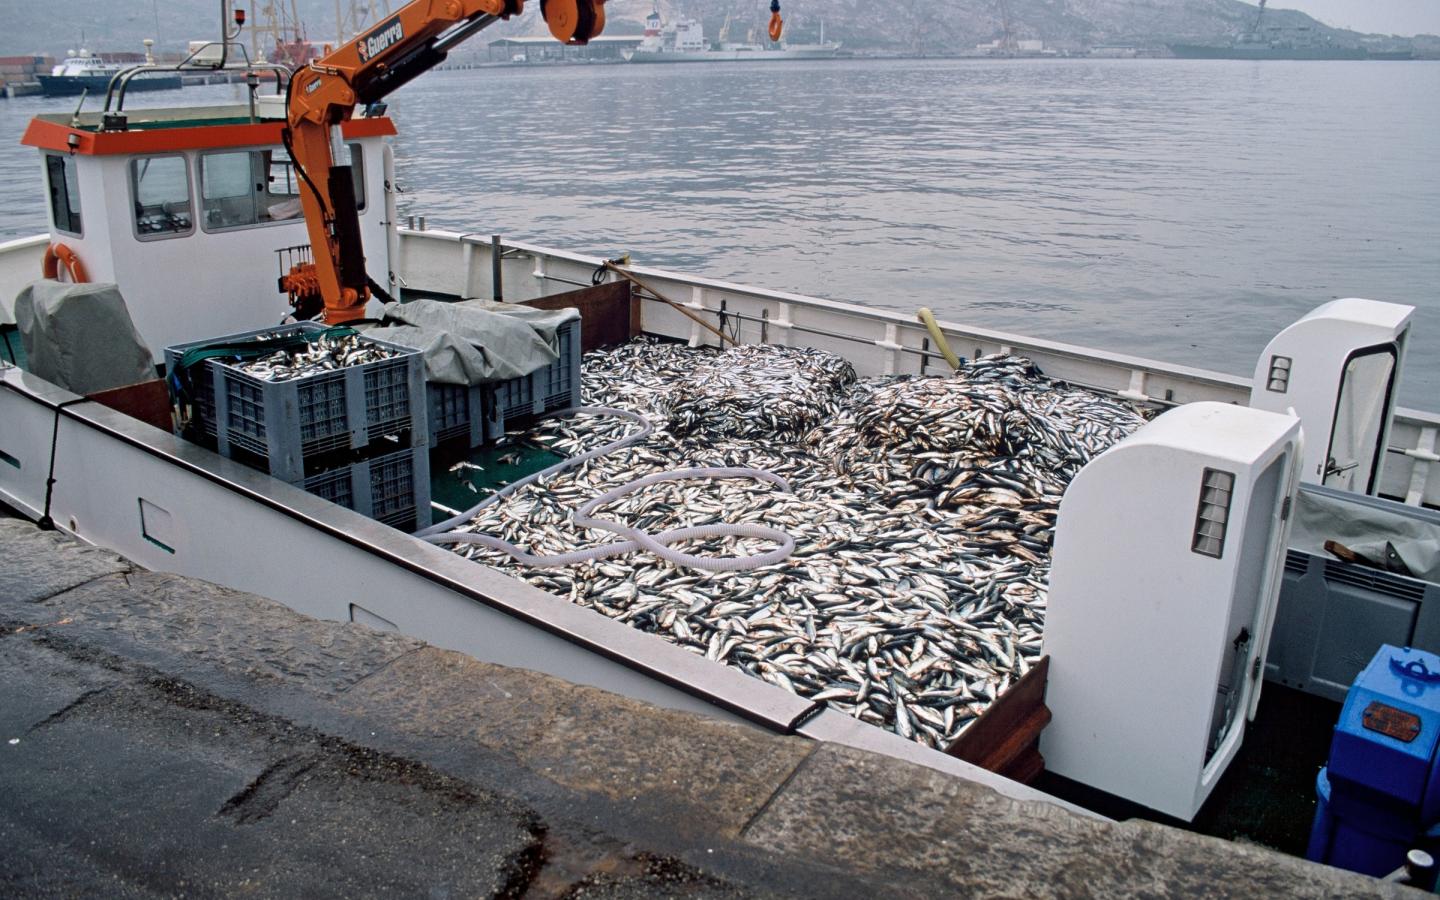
{"x": 86, "y": 71}
{"x": 188, "y": 209}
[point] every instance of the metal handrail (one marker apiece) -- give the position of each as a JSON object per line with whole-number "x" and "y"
{"x": 123, "y": 77}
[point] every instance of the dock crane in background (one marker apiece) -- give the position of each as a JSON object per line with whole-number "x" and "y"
{"x": 1007, "y": 40}
{"x": 1253, "y": 35}
{"x": 350, "y": 22}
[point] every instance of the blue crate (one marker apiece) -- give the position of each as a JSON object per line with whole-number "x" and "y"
{"x": 1380, "y": 794}
{"x": 393, "y": 489}
{"x": 290, "y": 426}
{"x": 456, "y": 411}
{"x": 554, "y": 387}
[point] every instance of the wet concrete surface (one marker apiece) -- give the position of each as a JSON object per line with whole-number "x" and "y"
{"x": 161, "y": 736}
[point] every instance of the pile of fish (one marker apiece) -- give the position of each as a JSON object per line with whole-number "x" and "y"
{"x": 759, "y": 391}
{"x": 922, "y": 509}
{"x": 326, "y": 353}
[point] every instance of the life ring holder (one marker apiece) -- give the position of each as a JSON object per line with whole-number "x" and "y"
{"x": 57, "y": 254}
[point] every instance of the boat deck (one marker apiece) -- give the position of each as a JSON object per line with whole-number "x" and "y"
{"x": 1266, "y": 796}
{"x": 921, "y": 509}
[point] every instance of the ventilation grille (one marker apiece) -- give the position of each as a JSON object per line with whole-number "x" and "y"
{"x": 1371, "y": 579}
{"x": 1297, "y": 562}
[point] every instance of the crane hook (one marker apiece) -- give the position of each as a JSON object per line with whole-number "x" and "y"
{"x": 777, "y": 24}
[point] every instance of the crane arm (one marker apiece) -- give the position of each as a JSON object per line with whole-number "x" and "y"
{"x": 323, "y": 95}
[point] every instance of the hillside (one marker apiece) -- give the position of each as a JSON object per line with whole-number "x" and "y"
{"x": 908, "y": 26}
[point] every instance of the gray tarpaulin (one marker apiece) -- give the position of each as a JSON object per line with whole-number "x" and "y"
{"x": 80, "y": 336}
{"x": 1413, "y": 533}
{"x": 475, "y": 341}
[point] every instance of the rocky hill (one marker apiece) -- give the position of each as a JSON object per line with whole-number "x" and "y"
{"x": 904, "y": 26}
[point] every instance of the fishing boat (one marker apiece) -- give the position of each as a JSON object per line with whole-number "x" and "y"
{"x": 1196, "y": 505}
{"x": 86, "y": 71}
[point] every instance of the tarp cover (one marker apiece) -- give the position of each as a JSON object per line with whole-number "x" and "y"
{"x": 80, "y": 336}
{"x": 1414, "y": 533}
{"x": 475, "y": 341}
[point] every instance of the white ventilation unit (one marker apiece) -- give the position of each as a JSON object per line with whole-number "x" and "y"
{"x": 1337, "y": 369}
{"x": 1168, "y": 557}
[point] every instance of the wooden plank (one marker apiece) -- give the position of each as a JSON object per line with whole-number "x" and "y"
{"x": 608, "y": 314}
{"x": 148, "y": 401}
{"x": 1022, "y": 740}
{"x": 1005, "y": 739}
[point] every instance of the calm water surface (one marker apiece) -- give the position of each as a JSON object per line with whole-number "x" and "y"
{"x": 1184, "y": 211}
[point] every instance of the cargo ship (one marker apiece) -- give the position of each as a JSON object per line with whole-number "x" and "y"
{"x": 683, "y": 41}
{"x": 959, "y": 612}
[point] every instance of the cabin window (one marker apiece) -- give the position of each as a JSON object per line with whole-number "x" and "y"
{"x": 160, "y": 195}
{"x": 357, "y": 174}
{"x": 281, "y": 182}
{"x": 242, "y": 189}
{"x": 64, "y": 186}
{"x": 245, "y": 188}
{"x": 283, "y": 179}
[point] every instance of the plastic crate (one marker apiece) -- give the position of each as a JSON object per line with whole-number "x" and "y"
{"x": 394, "y": 488}
{"x": 552, "y": 388}
{"x": 456, "y": 411}
{"x": 202, "y": 383}
{"x": 291, "y": 426}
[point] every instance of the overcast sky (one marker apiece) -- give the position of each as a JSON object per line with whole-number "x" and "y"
{"x": 1383, "y": 16}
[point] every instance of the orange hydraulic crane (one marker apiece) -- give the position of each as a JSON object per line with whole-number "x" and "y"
{"x": 325, "y": 93}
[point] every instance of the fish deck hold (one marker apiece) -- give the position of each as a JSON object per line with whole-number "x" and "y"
{"x": 922, "y": 509}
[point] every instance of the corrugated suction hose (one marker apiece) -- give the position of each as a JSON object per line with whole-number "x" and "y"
{"x": 633, "y": 539}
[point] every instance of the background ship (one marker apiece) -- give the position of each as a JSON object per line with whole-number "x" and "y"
{"x": 1273, "y": 43}
{"x": 87, "y": 71}
{"x": 684, "y": 41}
{"x": 1267, "y": 50}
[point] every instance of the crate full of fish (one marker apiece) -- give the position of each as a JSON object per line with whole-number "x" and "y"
{"x": 296, "y": 398}
{"x": 393, "y": 488}
{"x": 546, "y": 390}
{"x": 192, "y": 389}
{"x": 456, "y": 412}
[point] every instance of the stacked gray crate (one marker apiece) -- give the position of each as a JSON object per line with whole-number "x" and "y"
{"x": 549, "y": 389}
{"x": 394, "y": 488}
{"x": 481, "y": 413}
{"x": 291, "y": 426}
{"x": 1334, "y": 615}
{"x": 456, "y": 411}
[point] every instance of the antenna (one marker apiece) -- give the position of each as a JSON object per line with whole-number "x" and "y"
{"x": 75, "y": 117}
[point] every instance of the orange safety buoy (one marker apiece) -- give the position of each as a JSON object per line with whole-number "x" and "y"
{"x": 58, "y": 253}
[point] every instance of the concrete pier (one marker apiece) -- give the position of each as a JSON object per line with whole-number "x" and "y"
{"x": 161, "y": 735}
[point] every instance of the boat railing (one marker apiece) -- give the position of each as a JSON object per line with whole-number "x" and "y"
{"x": 877, "y": 341}
{"x": 120, "y": 82}
{"x": 198, "y": 59}
{"x": 21, "y": 261}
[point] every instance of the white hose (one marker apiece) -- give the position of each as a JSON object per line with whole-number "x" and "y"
{"x": 633, "y": 539}
{"x": 646, "y": 429}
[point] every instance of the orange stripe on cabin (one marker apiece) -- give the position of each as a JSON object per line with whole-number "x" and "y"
{"x": 54, "y": 136}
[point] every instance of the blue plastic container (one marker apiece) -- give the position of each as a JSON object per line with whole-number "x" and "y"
{"x": 1372, "y": 844}
{"x": 1380, "y": 794}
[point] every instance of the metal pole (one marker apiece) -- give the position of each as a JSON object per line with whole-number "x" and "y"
{"x": 497, "y": 253}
